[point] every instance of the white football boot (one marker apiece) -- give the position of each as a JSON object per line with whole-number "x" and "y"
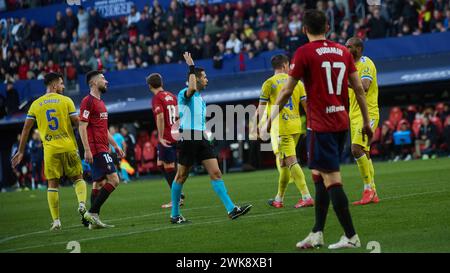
{"x": 345, "y": 242}
{"x": 56, "y": 225}
{"x": 313, "y": 240}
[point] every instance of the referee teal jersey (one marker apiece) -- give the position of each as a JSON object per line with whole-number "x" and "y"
{"x": 192, "y": 111}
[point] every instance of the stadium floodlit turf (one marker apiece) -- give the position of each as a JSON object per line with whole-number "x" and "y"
{"x": 412, "y": 216}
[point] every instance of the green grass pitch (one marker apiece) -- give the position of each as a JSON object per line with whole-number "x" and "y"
{"x": 412, "y": 216}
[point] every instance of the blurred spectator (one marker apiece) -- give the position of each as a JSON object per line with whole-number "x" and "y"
{"x": 83, "y": 22}
{"x": 447, "y": 134}
{"x": 2, "y": 106}
{"x": 234, "y": 44}
{"x": 37, "y": 158}
{"x": 12, "y": 99}
{"x": 403, "y": 142}
{"x": 386, "y": 141}
{"x": 377, "y": 25}
{"x": 134, "y": 16}
{"x": 130, "y": 141}
{"x": 120, "y": 140}
{"x": 21, "y": 171}
{"x": 426, "y": 140}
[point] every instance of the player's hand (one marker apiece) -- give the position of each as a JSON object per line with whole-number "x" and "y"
{"x": 17, "y": 158}
{"x": 367, "y": 131}
{"x": 88, "y": 156}
{"x": 164, "y": 142}
{"x": 119, "y": 152}
{"x": 188, "y": 58}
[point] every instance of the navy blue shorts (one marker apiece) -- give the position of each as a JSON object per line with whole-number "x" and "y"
{"x": 103, "y": 165}
{"x": 325, "y": 150}
{"x": 167, "y": 154}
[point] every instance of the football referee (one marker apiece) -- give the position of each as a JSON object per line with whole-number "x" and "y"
{"x": 194, "y": 146}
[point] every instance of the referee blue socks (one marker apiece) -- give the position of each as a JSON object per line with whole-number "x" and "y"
{"x": 176, "y": 195}
{"x": 219, "y": 188}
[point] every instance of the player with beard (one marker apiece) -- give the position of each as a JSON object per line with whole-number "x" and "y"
{"x": 96, "y": 139}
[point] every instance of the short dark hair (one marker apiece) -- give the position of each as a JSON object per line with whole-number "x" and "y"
{"x": 279, "y": 60}
{"x": 315, "y": 21}
{"x": 154, "y": 80}
{"x": 198, "y": 72}
{"x": 92, "y": 74}
{"x": 51, "y": 77}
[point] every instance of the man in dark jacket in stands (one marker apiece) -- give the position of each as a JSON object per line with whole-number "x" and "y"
{"x": 426, "y": 140}
{"x": 12, "y": 99}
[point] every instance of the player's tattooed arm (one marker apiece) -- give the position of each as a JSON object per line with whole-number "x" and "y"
{"x": 17, "y": 158}
{"x": 192, "y": 82}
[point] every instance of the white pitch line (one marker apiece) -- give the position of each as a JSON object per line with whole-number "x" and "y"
{"x": 6, "y": 239}
{"x": 162, "y": 228}
{"x": 166, "y": 227}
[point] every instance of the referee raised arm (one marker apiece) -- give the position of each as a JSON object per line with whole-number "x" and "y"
{"x": 194, "y": 147}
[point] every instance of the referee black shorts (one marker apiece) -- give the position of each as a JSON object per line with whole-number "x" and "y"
{"x": 194, "y": 150}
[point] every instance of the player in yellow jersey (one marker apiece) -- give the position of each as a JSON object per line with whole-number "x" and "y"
{"x": 285, "y": 131}
{"x": 360, "y": 146}
{"x": 55, "y": 114}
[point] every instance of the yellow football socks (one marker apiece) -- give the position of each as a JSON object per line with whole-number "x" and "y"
{"x": 299, "y": 179}
{"x": 364, "y": 170}
{"x": 372, "y": 175}
{"x": 282, "y": 181}
{"x": 53, "y": 202}
{"x": 80, "y": 190}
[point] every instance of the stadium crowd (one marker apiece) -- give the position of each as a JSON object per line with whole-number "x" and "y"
{"x": 84, "y": 41}
{"x": 414, "y": 132}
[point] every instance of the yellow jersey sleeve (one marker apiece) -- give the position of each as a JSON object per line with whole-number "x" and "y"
{"x": 266, "y": 89}
{"x": 71, "y": 107}
{"x": 367, "y": 71}
{"x": 302, "y": 91}
{"x": 32, "y": 112}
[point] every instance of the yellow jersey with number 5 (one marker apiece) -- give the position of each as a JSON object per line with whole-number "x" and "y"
{"x": 288, "y": 121}
{"x": 52, "y": 114}
{"x": 366, "y": 70}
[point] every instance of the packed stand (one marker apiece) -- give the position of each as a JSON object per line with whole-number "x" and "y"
{"x": 415, "y": 132}
{"x": 12, "y": 5}
{"x": 84, "y": 41}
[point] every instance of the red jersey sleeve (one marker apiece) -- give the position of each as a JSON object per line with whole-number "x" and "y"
{"x": 157, "y": 106}
{"x": 297, "y": 65}
{"x": 85, "y": 109}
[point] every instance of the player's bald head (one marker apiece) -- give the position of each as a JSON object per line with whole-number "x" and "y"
{"x": 356, "y": 42}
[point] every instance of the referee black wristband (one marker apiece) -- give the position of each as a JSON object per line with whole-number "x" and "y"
{"x": 191, "y": 69}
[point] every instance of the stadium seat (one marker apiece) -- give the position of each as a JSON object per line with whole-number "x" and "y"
{"x": 263, "y": 34}
{"x": 148, "y": 158}
{"x": 395, "y": 115}
{"x": 138, "y": 158}
{"x": 154, "y": 139}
